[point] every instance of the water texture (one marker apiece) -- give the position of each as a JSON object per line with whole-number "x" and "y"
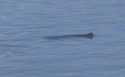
{"x": 25, "y": 53}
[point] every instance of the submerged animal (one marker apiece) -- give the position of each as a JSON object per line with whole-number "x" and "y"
{"x": 88, "y": 35}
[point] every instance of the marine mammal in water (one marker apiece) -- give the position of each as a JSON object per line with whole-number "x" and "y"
{"x": 88, "y": 35}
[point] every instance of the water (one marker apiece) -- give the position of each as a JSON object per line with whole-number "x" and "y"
{"x": 25, "y": 53}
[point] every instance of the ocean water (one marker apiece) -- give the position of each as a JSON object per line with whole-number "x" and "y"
{"x": 24, "y": 52}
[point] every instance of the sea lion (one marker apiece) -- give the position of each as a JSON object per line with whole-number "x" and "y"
{"x": 88, "y": 35}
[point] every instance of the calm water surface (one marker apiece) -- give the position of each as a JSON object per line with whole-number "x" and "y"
{"x": 25, "y": 53}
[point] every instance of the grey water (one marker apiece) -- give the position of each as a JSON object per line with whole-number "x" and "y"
{"x": 25, "y": 53}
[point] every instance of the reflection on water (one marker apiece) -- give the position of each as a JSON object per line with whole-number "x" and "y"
{"x": 28, "y": 49}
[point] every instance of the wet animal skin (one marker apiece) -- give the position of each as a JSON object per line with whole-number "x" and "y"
{"x": 88, "y": 35}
